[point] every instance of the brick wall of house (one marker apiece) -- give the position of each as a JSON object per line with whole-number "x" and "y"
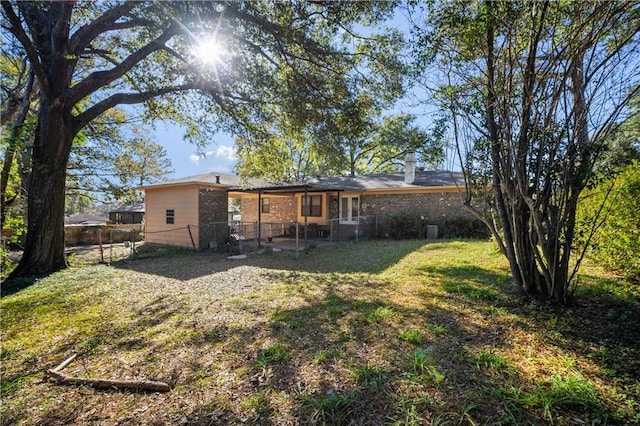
{"x": 282, "y": 209}
{"x": 436, "y": 207}
{"x": 213, "y": 207}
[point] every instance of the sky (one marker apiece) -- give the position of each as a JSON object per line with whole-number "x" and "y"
{"x": 218, "y": 156}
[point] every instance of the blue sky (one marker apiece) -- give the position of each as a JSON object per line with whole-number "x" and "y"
{"x": 218, "y": 156}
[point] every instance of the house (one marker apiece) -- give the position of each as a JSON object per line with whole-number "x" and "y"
{"x": 192, "y": 211}
{"x": 189, "y": 212}
{"x": 357, "y": 204}
{"x": 84, "y": 219}
{"x": 127, "y": 214}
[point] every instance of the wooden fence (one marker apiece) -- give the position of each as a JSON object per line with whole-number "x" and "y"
{"x": 78, "y": 235}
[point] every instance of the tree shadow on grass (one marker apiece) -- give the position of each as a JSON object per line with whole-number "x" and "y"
{"x": 601, "y": 325}
{"x": 335, "y": 350}
{"x": 367, "y": 257}
{"x": 345, "y": 361}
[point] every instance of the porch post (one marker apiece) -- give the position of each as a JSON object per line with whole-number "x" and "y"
{"x": 306, "y": 218}
{"x": 259, "y": 217}
{"x": 339, "y": 218}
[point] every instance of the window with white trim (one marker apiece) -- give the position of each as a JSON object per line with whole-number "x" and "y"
{"x": 349, "y": 209}
{"x": 170, "y": 215}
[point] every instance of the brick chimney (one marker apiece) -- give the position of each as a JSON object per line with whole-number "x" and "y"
{"x": 410, "y": 168}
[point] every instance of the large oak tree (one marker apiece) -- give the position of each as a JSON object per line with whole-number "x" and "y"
{"x": 89, "y": 57}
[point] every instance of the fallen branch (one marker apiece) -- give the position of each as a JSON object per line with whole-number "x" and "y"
{"x": 64, "y": 363}
{"x": 63, "y": 379}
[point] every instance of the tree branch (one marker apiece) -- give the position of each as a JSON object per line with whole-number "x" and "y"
{"x": 86, "y": 34}
{"x": 17, "y": 30}
{"x": 100, "y": 79}
{"x": 96, "y": 110}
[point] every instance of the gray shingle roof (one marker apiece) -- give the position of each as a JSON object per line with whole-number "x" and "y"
{"x": 433, "y": 178}
{"x": 225, "y": 180}
{"x": 128, "y": 209}
{"x": 393, "y": 180}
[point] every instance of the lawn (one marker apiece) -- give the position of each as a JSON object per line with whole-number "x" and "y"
{"x": 371, "y": 333}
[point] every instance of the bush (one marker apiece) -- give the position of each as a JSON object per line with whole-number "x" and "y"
{"x": 465, "y": 227}
{"x": 616, "y": 241}
{"x": 404, "y": 226}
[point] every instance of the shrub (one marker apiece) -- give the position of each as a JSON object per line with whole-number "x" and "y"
{"x": 465, "y": 227}
{"x": 404, "y": 226}
{"x": 616, "y": 241}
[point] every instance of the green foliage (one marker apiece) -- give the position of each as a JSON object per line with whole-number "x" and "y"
{"x": 405, "y": 225}
{"x": 612, "y": 211}
{"x": 501, "y": 73}
{"x": 283, "y": 70}
{"x": 6, "y": 264}
{"x": 465, "y": 227}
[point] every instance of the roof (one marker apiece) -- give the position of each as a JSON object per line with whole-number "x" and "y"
{"x": 134, "y": 208}
{"x": 383, "y": 181}
{"x": 432, "y": 178}
{"x": 212, "y": 179}
{"x": 84, "y": 219}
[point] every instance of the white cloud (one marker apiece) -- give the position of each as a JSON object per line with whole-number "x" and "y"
{"x": 194, "y": 158}
{"x": 226, "y": 152}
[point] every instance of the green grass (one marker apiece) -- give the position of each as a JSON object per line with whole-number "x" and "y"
{"x": 330, "y": 408}
{"x": 410, "y": 333}
{"x": 488, "y": 359}
{"x": 368, "y": 375}
{"x": 272, "y": 354}
{"x": 412, "y": 336}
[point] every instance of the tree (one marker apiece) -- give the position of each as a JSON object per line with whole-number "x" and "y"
{"x": 346, "y": 149}
{"x": 20, "y": 91}
{"x": 90, "y": 57}
{"x": 141, "y": 162}
{"x": 538, "y": 87}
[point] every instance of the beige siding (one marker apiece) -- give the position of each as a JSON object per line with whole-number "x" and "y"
{"x": 183, "y": 200}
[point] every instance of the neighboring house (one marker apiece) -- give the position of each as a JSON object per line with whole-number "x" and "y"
{"x": 127, "y": 214}
{"x": 183, "y": 211}
{"x": 84, "y": 219}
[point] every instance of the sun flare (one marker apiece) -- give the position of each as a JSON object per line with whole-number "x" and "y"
{"x": 209, "y": 51}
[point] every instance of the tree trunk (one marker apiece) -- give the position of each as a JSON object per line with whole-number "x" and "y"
{"x": 44, "y": 246}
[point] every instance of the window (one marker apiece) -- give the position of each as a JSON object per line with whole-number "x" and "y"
{"x": 349, "y": 209}
{"x": 312, "y": 205}
{"x": 170, "y": 217}
{"x": 266, "y": 205}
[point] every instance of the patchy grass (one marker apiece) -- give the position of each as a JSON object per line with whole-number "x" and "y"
{"x": 412, "y": 333}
